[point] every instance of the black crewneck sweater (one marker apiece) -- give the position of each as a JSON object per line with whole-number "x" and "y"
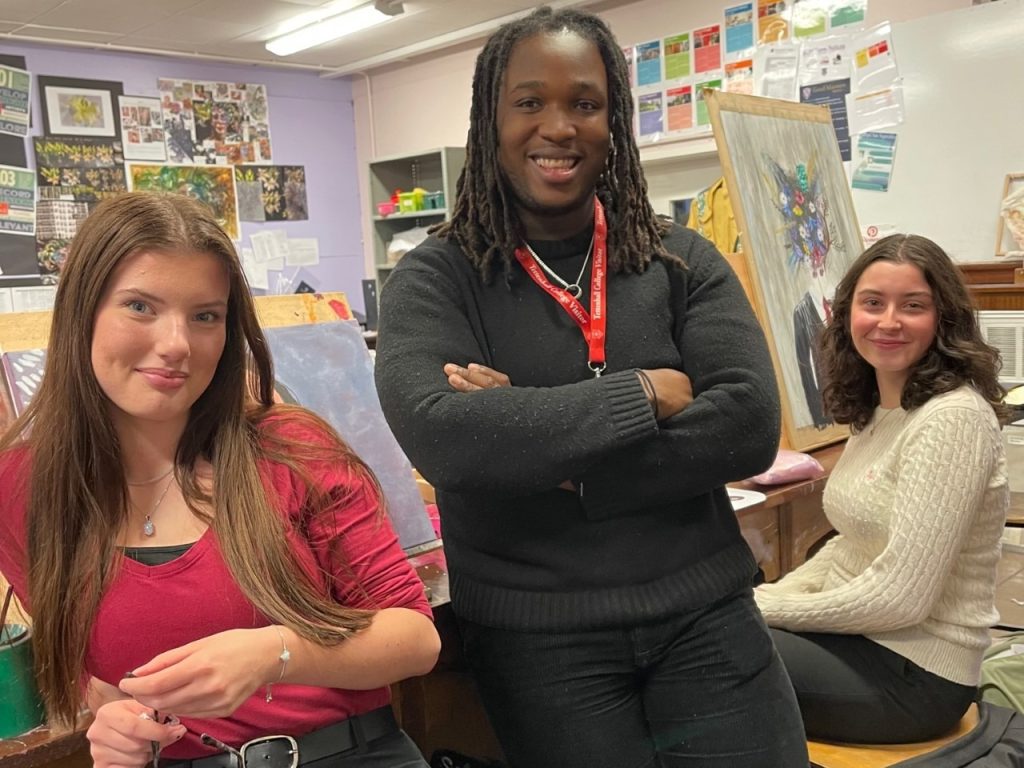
{"x": 650, "y": 531}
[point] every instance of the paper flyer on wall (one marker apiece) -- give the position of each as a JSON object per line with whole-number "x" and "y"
{"x": 847, "y": 13}
{"x": 648, "y": 63}
{"x": 142, "y": 128}
{"x": 649, "y": 109}
{"x": 739, "y": 28}
{"x": 775, "y": 71}
{"x": 825, "y": 59}
{"x": 833, "y": 96}
{"x": 629, "y": 55}
{"x": 707, "y": 49}
{"x": 772, "y": 25}
{"x": 873, "y": 161}
{"x": 702, "y": 107}
{"x": 874, "y": 59}
{"x": 810, "y": 17}
{"x": 878, "y": 109}
{"x": 17, "y": 201}
{"x": 302, "y": 252}
{"x": 677, "y": 56}
{"x": 739, "y": 76}
{"x": 679, "y": 111}
{"x": 15, "y": 100}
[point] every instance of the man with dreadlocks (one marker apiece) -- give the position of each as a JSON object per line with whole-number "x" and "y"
{"x": 535, "y": 361}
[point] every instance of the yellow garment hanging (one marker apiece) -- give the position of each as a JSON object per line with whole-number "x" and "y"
{"x": 711, "y": 216}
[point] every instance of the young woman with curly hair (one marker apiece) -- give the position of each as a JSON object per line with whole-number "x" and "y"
{"x": 883, "y": 630}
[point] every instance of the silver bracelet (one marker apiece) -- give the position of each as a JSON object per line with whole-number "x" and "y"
{"x": 284, "y": 658}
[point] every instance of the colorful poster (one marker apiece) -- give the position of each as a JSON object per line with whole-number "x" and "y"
{"x": 771, "y": 21}
{"x": 872, "y": 164}
{"x": 739, "y": 28}
{"x": 213, "y": 186}
{"x": 810, "y": 17}
{"x": 215, "y": 123}
{"x": 142, "y": 128}
{"x": 680, "y": 108}
{"x": 17, "y": 201}
{"x": 739, "y": 76}
{"x": 648, "y": 63}
{"x": 652, "y": 120}
{"x": 832, "y": 95}
{"x": 848, "y": 12}
{"x": 702, "y": 106}
{"x": 707, "y": 49}
{"x": 630, "y": 56}
{"x": 15, "y": 98}
{"x": 874, "y": 59}
{"x": 281, "y": 190}
{"x": 677, "y": 56}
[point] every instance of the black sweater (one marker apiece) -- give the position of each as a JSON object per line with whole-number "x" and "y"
{"x": 651, "y": 530}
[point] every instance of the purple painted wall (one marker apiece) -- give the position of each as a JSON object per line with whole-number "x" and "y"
{"x": 311, "y": 124}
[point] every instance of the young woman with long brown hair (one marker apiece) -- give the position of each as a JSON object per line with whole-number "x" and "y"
{"x": 185, "y": 547}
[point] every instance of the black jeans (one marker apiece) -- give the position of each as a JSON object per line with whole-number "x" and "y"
{"x": 705, "y": 689}
{"x": 854, "y": 690}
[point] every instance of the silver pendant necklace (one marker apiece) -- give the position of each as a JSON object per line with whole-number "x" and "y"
{"x": 148, "y": 528}
{"x": 574, "y": 289}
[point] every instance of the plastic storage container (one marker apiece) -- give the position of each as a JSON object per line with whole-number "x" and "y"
{"x": 20, "y": 707}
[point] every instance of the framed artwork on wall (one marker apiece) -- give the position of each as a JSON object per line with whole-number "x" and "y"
{"x": 799, "y": 232}
{"x": 75, "y": 107}
{"x": 1010, "y": 233}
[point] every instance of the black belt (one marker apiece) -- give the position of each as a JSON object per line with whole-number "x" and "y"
{"x": 278, "y": 751}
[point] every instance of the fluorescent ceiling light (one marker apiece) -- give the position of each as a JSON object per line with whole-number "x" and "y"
{"x": 324, "y": 30}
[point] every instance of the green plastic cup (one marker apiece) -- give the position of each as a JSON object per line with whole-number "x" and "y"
{"x": 20, "y": 707}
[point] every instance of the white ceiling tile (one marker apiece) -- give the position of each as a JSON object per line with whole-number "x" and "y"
{"x": 238, "y": 28}
{"x": 115, "y": 16}
{"x": 25, "y": 10}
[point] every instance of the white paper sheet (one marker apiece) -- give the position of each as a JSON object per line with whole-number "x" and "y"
{"x": 303, "y": 252}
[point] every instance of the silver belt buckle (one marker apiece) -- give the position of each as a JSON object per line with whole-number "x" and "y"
{"x": 268, "y": 750}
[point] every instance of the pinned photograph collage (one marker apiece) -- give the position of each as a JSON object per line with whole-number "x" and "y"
{"x": 209, "y": 140}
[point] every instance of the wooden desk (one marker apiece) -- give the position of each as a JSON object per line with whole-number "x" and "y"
{"x": 44, "y": 747}
{"x": 784, "y": 529}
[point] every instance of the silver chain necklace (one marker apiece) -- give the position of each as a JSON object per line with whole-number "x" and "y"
{"x": 574, "y": 289}
{"x": 148, "y": 529}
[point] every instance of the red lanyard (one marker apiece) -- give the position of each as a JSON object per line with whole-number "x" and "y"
{"x": 592, "y": 323}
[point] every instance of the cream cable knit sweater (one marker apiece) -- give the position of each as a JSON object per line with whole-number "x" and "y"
{"x": 919, "y": 500}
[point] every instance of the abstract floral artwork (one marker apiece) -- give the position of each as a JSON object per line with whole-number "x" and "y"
{"x": 799, "y": 234}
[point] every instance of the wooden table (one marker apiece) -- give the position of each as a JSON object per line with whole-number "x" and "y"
{"x": 784, "y": 529}
{"x": 62, "y": 749}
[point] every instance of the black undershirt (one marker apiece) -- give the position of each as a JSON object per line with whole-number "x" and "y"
{"x": 156, "y": 555}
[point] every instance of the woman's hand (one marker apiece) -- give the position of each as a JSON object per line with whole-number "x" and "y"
{"x": 672, "y": 389}
{"x": 210, "y": 677}
{"x": 123, "y": 733}
{"x": 99, "y": 693}
{"x": 474, "y": 377}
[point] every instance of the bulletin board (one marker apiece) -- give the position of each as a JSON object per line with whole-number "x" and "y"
{"x": 963, "y": 128}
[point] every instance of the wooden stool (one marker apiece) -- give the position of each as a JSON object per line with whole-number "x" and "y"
{"x": 883, "y": 755}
